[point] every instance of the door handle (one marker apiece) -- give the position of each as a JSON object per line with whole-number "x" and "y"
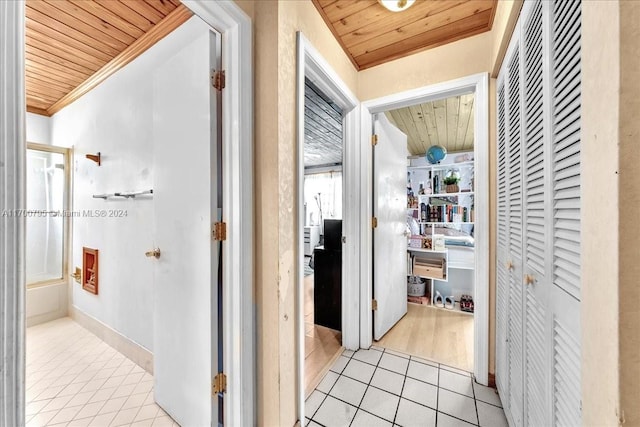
{"x": 509, "y": 265}
{"x": 529, "y": 279}
{"x": 154, "y": 253}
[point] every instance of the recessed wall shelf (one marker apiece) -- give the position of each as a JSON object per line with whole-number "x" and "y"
{"x": 90, "y": 270}
{"x": 124, "y": 194}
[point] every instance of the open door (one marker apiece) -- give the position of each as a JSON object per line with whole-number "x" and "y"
{"x": 185, "y": 346}
{"x": 389, "y": 236}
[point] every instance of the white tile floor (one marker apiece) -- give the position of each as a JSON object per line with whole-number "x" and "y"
{"x": 74, "y": 379}
{"x": 379, "y": 387}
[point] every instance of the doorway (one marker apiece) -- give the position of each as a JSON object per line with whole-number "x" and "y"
{"x": 237, "y": 137}
{"x": 47, "y": 232}
{"x": 311, "y": 67}
{"x": 477, "y": 86}
{"x": 436, "y": 139}
{"x": 322, "y": 233}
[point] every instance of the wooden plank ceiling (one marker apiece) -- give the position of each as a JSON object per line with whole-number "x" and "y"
{"x": 73, "y": 45}
{"x": 371, "y": 35}
{"x": 446, "y": 122}
{"x": 322, "y": 129}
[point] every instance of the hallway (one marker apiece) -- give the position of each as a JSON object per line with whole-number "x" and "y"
{"x": 74, "y": 379}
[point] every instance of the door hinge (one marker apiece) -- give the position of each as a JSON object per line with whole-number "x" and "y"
{"x": 374, "y": 304}
{"x": 219, "y": 384}
{"x": 218, "y": 79}
{"x": 374, "y": 139}
{"x": 374, "y": 222}
{"x": 219, "y": 231}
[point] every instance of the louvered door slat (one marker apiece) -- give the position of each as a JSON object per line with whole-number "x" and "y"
{"x": 534, "y": 154}
{"x": 502, "y": 291}
{"x": 535, "y": 236}
{"x": 535, "y": 369}
{"x": 566, "y": 143}
{"x": 566, "y": 113}
{"x": 566, "y": 388}
{"x": 516, "y": 390}
{"x": 514, "y": 150}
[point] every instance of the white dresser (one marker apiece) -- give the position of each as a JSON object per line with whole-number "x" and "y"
{"x": 311, "y": 238}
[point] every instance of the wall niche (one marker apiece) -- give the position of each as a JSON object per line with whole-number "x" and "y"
{"x": 90, "y": 270}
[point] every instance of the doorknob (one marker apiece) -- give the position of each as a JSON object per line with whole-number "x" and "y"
{"x": 529, "y": 279}
{"x": 509, "y": 265}
{"x": 154, "y": 253}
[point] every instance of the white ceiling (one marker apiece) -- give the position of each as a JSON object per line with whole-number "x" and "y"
{"x": 446, "y": 122}
{"x": 322, "y": 129}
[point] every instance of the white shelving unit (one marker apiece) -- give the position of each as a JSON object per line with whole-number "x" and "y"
{"x": 459, "y": 261}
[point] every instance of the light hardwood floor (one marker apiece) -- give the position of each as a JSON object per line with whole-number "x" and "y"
{"x": 432, "y": 333}
{"x": 322, "y": 345}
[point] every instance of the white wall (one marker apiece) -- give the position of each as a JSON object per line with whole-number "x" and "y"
{"x": 116, "y": 119}
{"x": 38, "y": 129}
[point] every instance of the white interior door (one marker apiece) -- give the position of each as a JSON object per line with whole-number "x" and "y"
{"x": 389, "y": 238}
{"x": 185, "y": 191}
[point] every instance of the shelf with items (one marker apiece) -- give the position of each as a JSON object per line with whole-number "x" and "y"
{"x": 431, "y": 251}
{"x": 442, "y": 179}
{"x": 422, "y": 291}
{"x": 466, "y": 164}
{"x": 443, "y": 195}
{"x": 427, "y": 264}
{"x": 443, "y": 223}
{"x": 444, "y": 213}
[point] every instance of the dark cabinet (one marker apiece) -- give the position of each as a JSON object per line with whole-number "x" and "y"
{"x": 327, "y": 277}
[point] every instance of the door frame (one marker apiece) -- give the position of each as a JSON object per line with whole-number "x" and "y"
{"x": 66, "y": 230}
{"x": 312, "y": 65}
{"x": 235, "y": 28}
{"x": 478, "y": 84}
{"x": 237, "y": 122}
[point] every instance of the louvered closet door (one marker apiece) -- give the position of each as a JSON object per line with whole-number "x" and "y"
{"x": 565, "y": 57}
{"x": 514, "y": 235}
{"x": 502, "y": 294}
{"x": 538, "y": 300}
{"x": 536, "y": 220}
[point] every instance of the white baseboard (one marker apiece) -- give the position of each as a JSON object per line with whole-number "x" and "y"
{"x": 132, "y": 350}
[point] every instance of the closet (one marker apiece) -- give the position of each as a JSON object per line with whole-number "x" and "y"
{"x": 538, "y": 219}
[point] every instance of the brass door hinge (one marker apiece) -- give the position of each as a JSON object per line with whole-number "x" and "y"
{"x": 219, "y": 384}
{"x": 374, "y": 139}
{"x": 374, "y": 222}
{"x": 219, "y": 231}
{"x": 374, "y": 304}
{"x": 218, "y": 79}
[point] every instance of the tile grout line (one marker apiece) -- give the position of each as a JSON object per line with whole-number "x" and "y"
{"x": 404, "y": 380}
{"x": 327, "y": 394}
{"x": 368, "y": 384}
{"x": 475, "y": 401}
{"x": 438, "y": 396}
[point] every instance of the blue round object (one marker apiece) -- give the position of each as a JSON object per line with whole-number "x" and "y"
{"x": 436, "y": 154}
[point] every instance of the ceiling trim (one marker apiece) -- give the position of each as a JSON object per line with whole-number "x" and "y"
{"x": 172, "y": 21}
{"x": 35, "y": 110}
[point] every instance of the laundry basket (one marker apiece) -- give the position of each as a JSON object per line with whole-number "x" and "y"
{"x": 416, "y": 286}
